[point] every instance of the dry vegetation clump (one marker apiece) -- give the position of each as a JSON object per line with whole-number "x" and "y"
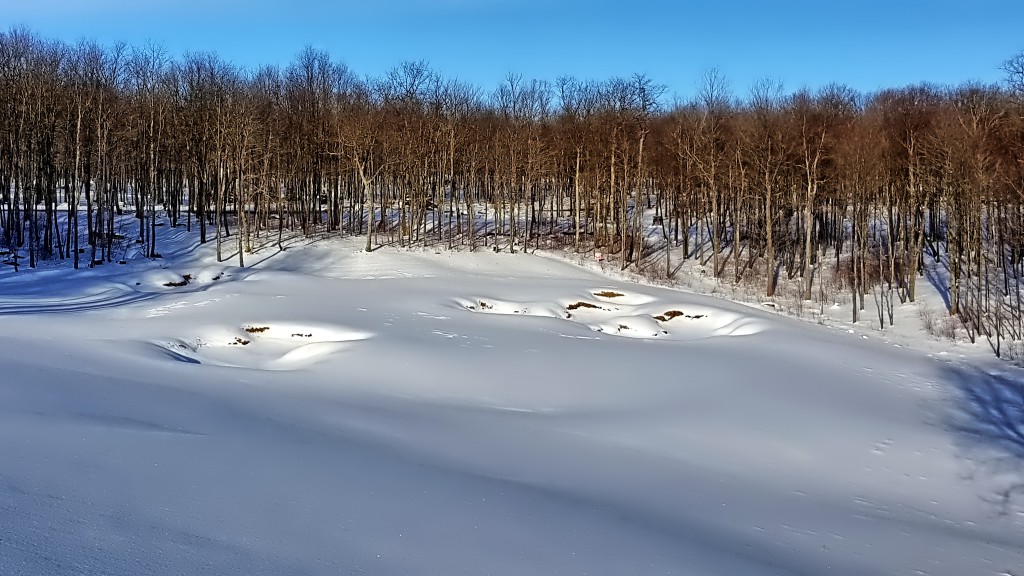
{"x": 942, "y": 327}
{"x": 256, "y": 329}
{"x": 239, "y": 342}
{"x": 184, "y": 282}
{"x": 668, "y": 315}
{"x": 608, "y": 294}
{"x": 581, "y": 304}
{"x": 843, "y": 273}
{"x": 676, "y": 314}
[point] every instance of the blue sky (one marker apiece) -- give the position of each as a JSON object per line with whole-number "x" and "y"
{"x": 866, "y": 44}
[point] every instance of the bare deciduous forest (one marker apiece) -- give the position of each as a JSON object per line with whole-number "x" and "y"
{"x": 854, "y": 192}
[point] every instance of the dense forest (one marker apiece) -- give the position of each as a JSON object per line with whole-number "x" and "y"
{"x": 824, "y": 186}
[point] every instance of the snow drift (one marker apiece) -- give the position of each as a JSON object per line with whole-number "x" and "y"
{"x": 419, "y": 413}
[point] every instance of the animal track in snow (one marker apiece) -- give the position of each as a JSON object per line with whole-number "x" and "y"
{"x": 881, "y": 447}
{"x": 165, "y": 309}
{"x": 431, "y": 316}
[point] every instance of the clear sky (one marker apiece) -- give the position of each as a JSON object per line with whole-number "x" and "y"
{"x": 867, "y": 44}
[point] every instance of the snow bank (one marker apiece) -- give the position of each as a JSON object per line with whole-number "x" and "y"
{"x": 629, "y": 314}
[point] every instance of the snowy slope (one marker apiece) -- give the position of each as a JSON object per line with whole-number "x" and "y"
{"x": 329, "y": 411}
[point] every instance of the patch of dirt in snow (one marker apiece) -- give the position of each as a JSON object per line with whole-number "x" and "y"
{"x": 628, "y": 314}
{"x": 162, "y": 280}
{"x": 264, "y": 345}
{"x": 618, "y": 296}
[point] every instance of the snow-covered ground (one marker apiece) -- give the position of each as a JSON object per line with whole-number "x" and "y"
{"x": 329, "y": 411}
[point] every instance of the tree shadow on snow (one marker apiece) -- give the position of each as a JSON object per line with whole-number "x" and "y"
{"x": 988, "y": 419}
{"x": 938, "y": 281}
{"x": 111, "y": 298}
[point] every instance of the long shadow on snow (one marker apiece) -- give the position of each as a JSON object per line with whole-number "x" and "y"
{"x": 989, "y": 421}
{"x": 110, "y": 298}
{"x": 94, "y": 302}
{"x": 939, "y": 282}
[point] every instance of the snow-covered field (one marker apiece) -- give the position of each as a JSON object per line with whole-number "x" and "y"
{"x": 329, "y": 411}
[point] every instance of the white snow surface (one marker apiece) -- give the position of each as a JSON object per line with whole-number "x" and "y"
{"x": 329, "y": 411}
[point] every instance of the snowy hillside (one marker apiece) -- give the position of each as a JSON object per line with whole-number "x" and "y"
{"x": 329, "y": 411}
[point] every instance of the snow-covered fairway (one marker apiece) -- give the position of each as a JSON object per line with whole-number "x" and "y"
{"x": 334, "y": 412}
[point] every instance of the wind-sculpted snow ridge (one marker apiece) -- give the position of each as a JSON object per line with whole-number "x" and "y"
{"x": 101, "y": 296}
{"x": 264, "y": 345}
{"x": 50, "y": 292}
{"x": 629, "y": 314}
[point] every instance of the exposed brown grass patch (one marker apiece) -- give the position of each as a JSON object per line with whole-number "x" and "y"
{"x": 256, "y": 329}
{"x": 581, "y": 304}
{"x": 184, "y": 282}
{"x": 676, "y": 314}
{"x": 239, "y": 342}
{"x": 608, "y": 294}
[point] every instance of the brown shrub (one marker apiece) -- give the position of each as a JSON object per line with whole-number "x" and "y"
{"x": 184, "y": 282}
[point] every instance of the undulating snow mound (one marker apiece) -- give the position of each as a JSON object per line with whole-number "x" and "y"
{"x": 630, "y": 314}
{"x": 264, "y": 345}
{"x": 327, "y": 411}
{"x": 179, "y": 280}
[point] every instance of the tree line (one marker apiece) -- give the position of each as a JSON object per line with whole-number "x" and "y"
{"x": 867, "y": 194}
